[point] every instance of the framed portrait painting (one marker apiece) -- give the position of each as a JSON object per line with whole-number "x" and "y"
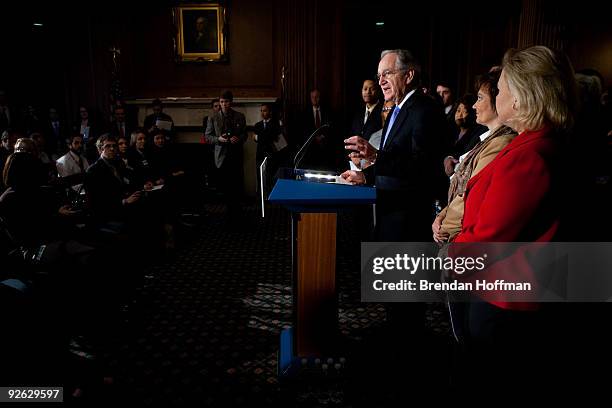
{"x": 200, "y": 32}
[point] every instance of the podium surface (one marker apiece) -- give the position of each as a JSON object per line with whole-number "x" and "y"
{"x": 302, "y": 194}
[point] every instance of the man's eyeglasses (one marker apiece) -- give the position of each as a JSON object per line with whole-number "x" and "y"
{"x": 388, "y": 72}
{"x": 110, "y": 146}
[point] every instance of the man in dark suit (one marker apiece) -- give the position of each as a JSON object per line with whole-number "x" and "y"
{"x": 368, "y": 119}
{"x": 407, "y": 171}
{"x": 226, "y": 130}
{"x": 109, "y": 192}
{"x": 271, "y": 142}
{"x": 151, "y": 121}
{"x": 323, "y": 150}
{"x": 120, "y": 126}
{"x": 315, "y": 115}
{"x": 56, "y": 132}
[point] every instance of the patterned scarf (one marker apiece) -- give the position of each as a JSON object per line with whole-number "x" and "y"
{"x": 463, "y": 173}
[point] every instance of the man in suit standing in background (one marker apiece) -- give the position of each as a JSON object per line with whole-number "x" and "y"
{"x": 271, "y": 143}
{"x": 226, "y": 130}
{"x": 322, "y": 153}
{"x": 368, "y": 119}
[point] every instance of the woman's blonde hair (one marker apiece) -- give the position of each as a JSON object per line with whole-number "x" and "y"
{"x": 543, "y": 82}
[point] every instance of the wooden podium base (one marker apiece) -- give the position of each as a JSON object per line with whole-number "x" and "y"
{"x": 315, "y": 285}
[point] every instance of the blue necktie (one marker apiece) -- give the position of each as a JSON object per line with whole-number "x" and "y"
{"x": 391, "y": 122}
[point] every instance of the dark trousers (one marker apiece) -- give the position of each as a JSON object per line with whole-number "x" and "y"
{"x": 507, "y": 352}
{"x": 401, "y": 218}
{"x": 230, "y": 176}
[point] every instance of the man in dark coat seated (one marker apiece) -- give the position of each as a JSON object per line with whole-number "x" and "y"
{"x": 109, "y": 193}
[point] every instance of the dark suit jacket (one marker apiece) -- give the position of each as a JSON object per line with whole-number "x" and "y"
{"x": 105, "y": 192}
{"x": 467, "y": 142}
{"x": 141, "y": 165}
{"x": 407, "y": 173}
{"x": 56, "y": 141}
{"x": 372, "y": 125}
{"x": 266, "y": 137}
{"x": 114, "y": 129}
{"x": 308, "y": 120}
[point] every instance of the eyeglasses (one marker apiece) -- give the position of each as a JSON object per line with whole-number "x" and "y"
{"x": 110, "y": 146}
{"x": 388, "y": 72}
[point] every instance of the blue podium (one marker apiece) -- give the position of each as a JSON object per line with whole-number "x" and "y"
{"x": 314, "y": 206}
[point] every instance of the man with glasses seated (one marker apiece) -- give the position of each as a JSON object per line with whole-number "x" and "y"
{"x": 109, "y": 191}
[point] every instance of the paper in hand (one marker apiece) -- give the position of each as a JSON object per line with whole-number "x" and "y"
{"x": 164, "y": 124}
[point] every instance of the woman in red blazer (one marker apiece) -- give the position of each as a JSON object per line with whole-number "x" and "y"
{"x": 517, "y": 198}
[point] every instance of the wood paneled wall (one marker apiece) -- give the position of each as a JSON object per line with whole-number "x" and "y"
{"x": 332, "y": 45}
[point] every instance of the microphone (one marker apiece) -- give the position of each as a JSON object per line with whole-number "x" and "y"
{"x": 302, "y": 152}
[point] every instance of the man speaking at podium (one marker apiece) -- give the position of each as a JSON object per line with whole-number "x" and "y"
{"x": 405, "y": 174}
{"x": 406, "y": 171}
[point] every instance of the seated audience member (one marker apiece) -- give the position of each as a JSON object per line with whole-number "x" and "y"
{"x": 39, "y": 225}
{"x": 467, "y": 135}
{"x": 118, "y": 203}
{"x": 138, "y": 157}
{"x": 168, "y": 171}
{"x": 45, "y": 158}
{"x": 110, "y": 194}
{"x": 448, "y": 223}
{"x": 164, "y": 164}
{"x": 29, "y": 210}
{"x": 159, "y": 120}
{"x": 73, "y": 164}
{"x": 9, "y": 137}
{"x": 123, "y": 146}
{"x": 26, "y": 145}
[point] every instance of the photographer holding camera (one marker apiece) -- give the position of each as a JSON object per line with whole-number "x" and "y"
{"x": 227, "y": 132}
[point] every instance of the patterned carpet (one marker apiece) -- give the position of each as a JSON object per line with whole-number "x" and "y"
{"x": 203, "y": 329}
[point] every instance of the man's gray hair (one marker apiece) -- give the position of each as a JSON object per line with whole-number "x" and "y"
{"x": 405, "y": 61}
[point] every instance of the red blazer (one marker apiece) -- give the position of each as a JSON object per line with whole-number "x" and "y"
{"x": 516, "y": 198}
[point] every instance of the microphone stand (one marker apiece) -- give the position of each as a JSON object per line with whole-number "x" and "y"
{"x": 302, "y": 152}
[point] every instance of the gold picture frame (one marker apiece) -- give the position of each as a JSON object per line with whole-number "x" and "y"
{"x": 200, "y": 32}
